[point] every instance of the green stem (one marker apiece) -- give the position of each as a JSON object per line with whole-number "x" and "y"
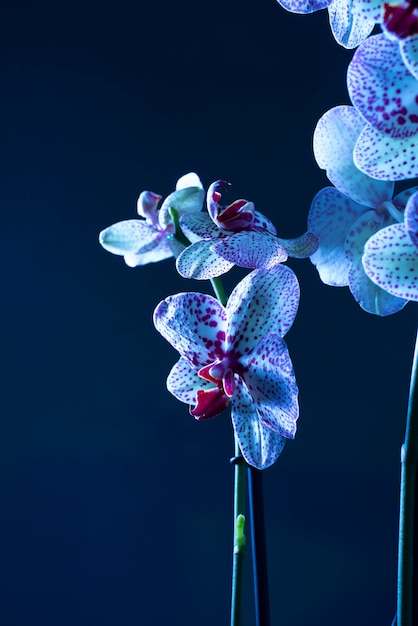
{"x": 239, "y": 537}
{"x": 409, "y": 459}
{"x": 219, "y": 290}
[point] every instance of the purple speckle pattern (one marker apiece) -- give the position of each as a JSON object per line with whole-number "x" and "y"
{"x": 197, "y": 226}
{"x": 260, "y": 446}
{"x": 331, "y": 216}
{"x": 349, "y": 28}
{"x": 384, "y": 157}
{"x": 409, "y": 52}
{"x": 238, "y": 353}
{"x": 184, "y": 382}
{"x": 334, "y": 140}
{"x": 391, "y": 261}
{"x": 265, "y": 301}
{"x": 304, "y": 6}
{"x": 200, "y": 262}
{"x": 191, "y": 322}
{"x": 383, "y": 89}
{"x": 251, "y": 249}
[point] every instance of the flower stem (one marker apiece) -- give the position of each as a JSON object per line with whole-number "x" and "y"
{"x": 219, "y": 290}
{"x": 409, "y": 459}
{"x": 258, "y": 542}
{"x": 239, "y": 537}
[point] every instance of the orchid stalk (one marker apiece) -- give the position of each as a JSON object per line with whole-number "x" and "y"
{"x": 360, "y": 235}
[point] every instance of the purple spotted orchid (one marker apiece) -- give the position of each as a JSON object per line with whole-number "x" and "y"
{"x": 235, "y": 234}
{"x": 151, "y": 239}
{"x": 382, "y": 81}
{"x": 350, "y": 25}
{"x": 236, "y": 355}
{"x": 345, "y": 216}
{"x": 391, "y": 255}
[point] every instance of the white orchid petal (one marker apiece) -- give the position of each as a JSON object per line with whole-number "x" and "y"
{"x": 334, "y": 139}
{"x": 330, "y": 217}
{"x": 250, "y": 249}
{"x": 265, "y": 301}
{"x": 189, "y": 180}
{"x": 409, "y": 52}
{"x": 271, "y": 382}
{"x": 194, "y": 324}
{"x": 151, "y": 253}
{"x": 184, "y": 200}
{"x": 260, "y": 446}
{"x": 304, "y": 6}
{"x": 129, "y": 236}
{"x": 348, "y": 27}
{"x": 391, "y": 261}
{"x": 382, "y": 88}
{"x": 184, "y": 382}
{"x": 386, "y": 158}
{"x": 197, "y": 226}
{"x": 411, "y": 219}
{"x": 198, "y": 261}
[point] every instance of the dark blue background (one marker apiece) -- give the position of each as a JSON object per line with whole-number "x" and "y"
{"x": 116, "y": 505}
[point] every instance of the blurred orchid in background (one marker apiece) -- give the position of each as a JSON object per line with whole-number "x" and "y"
{"x": 235, "y": 234}
{"x": 345, "y": 217}
{"x": 237, "y": 354}
{"x": 151, "y": 239}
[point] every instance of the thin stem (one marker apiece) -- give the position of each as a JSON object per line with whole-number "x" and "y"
{"x": 239, "y": 537}
{"x": 259, "y": 552}
{"x": 409, "y": 458}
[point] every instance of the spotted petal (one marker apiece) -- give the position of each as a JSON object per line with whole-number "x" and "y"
{"x": 391, "y": 261}
{"x": 304, "y": 6}
{"x": 260, "y": 446}
{"x": 334, "y": 139}
{"x": 382, "y": 88}
{"x": 250, "y": 249}
{"x": 200, "y": 262}
{"x": 129, "y": 236}
{"x": 270, "y": 379}
{"x": 370, "y": 296}
{"x": 330, "y": 217}
{"x": 411, "y": 219}
{"x": 162, "y": 249}
{"x": 265, "y": 301}
{"x": 348, "y": 27}
{"x": 184, "y": 382}
{"x": 386, "y": 158}
{"x": 194, "y": 324}
{"x": 409, "y": 52}
{"x": 197, "y": 226}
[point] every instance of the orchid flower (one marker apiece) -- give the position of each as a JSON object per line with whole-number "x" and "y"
{"x": 151, "y": 239}
{"x": 231, "y": 235}
{"x": 391, "y": 255}
{"x": 349, "y": 26}
{"x": 345, "y": 216}
{"x": 382, "y": 81}
{"x": 236, "y": 355}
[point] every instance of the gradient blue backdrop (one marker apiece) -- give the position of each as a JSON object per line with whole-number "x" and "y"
{"x": 115, "y": 504}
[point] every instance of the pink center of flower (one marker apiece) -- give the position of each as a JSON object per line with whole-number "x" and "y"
{"x": 236, "y": 216}
{"x": 400, "y": 19}
{"x": 211, "y": 402}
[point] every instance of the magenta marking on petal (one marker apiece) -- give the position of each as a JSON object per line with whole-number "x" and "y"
{"x": 210, "y": 402}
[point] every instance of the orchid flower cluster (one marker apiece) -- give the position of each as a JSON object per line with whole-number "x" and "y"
{"x": 231, "y": 353}
{"x": 359, "y": 235}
